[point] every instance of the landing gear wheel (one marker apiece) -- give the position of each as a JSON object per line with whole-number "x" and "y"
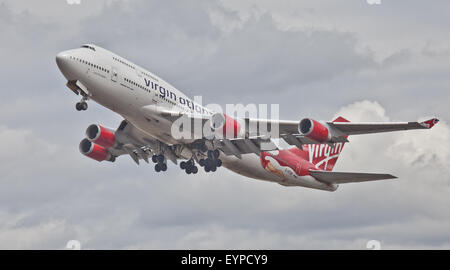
{"x": 219, "y": 163}
{"x": 163, "y": 167}
{"x": 207, "y": 169}
{"x": 210, "y": 163}
{"x": 214, "y": 168}
{"x": 183, "y": 165}
{"x": 81, "y": 106}
{"x": 201, "y": 162}
{"x": 191, "y": 163}
{"x": 216, "y": 154}
{"x": 157, "y": 168}
{"x": 194, "y": 170}
{"x": 160, "y": 158}
{"x": 154, "y": 159}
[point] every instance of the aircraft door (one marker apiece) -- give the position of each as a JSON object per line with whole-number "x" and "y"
{"x": 114, "y": 74}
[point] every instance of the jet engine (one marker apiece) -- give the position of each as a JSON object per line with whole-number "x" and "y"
{"x": 314, "y": 130}
{"x": 95, "y": 151}
{"x": 229, "y": 127}
{"x": 101, "y": 136}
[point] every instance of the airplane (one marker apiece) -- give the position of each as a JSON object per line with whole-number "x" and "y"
{"x": 150, "y": 106}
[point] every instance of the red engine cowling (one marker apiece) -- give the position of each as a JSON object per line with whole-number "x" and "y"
{"x": 314, "y": 130}
{"x": 95, "y": 151}
{"x": 101, "y": 136}
{"x": 229, "y": 127}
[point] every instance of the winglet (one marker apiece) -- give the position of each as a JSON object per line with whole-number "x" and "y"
{"x": 340, "y": 119}
{"x": 429, "y": 123}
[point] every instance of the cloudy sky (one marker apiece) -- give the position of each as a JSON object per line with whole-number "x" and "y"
{"x": 388, "y": 62}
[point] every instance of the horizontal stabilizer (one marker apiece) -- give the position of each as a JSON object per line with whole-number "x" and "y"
{"x": 345, "y": 177}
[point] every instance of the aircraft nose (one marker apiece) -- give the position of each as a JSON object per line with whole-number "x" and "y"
{"x": 61, "y": 58}
{"x": 63, "y": 62}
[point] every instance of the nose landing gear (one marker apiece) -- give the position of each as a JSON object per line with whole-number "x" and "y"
{"x": 82, "y": 105}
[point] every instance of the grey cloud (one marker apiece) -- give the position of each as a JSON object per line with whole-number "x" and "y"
{"x": 50, "y": 194}
{"x": 207, "y": 60}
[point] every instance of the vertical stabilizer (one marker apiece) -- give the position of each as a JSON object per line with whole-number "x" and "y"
{"x": 325, "y": 156}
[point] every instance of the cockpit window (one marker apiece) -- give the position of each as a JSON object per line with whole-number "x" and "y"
{"x": 88, "y": 47}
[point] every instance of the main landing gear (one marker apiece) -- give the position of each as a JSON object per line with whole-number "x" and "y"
{"x": 211, "y": 163}
{"x": 161, "y": 165}
{"x": 189, "y": 166}
{"x": 82, "y": 105}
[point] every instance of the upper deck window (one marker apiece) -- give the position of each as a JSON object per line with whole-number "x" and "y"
{"x": 123, "y": 62}
{"x": 88, "y": 47}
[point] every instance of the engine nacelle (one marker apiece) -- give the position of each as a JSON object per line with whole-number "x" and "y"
{"x": 101, "y": 136}
{"x": 229, "y": 127}
{"x": 314, "y": 130}
{"x": 95, "y": 151}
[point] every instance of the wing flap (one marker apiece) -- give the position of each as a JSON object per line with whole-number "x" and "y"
{"x": 348, "y": 177}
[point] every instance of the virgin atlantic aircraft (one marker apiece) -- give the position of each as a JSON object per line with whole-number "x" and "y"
{"x": 150, "y": 107}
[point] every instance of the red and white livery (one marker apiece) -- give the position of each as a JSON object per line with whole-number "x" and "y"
{"x": 150, "y": 106}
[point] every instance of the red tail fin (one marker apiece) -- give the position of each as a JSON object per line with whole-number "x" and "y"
{"x": 324, "y": 156}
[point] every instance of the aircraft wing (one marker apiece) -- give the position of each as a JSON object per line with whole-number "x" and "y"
{"x": 255, "y": 134}
{"x": 346, "y": 177}
{"x": 346, "y": 128}
{"x": 368, "y": 128}
{"x": 299, "y": 133}
{"x": 289, "y": 129}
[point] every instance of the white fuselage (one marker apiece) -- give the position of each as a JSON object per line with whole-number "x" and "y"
{"x": 126, "y": 88}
